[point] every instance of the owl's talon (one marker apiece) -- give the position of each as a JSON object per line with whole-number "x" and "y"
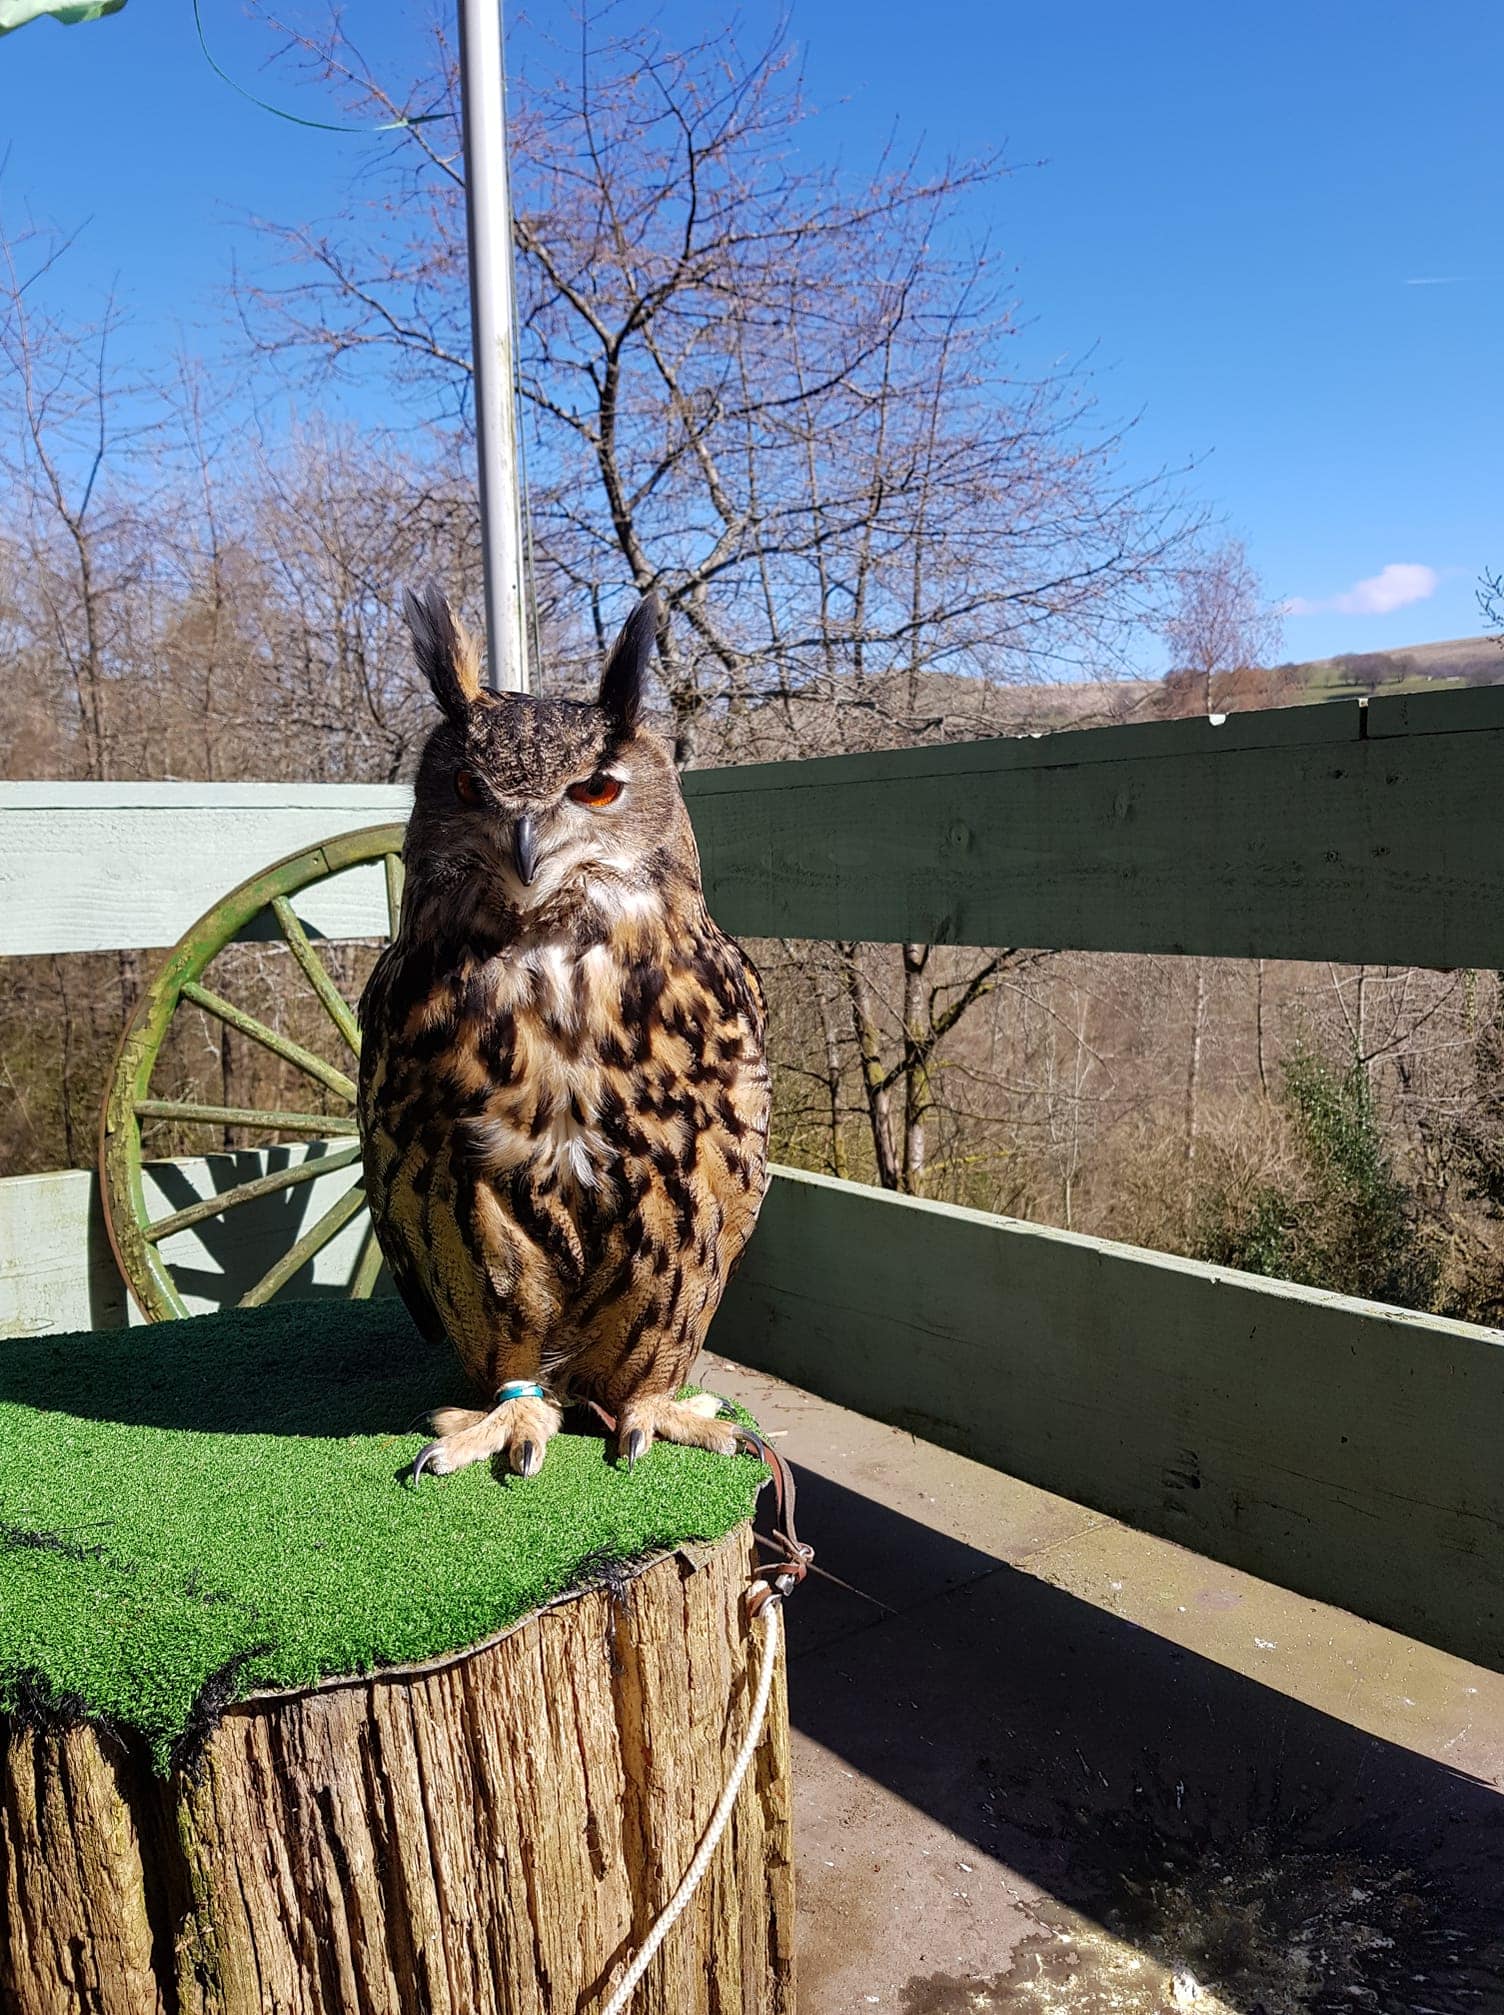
{"x": 693, "y": 1423}
{"x": 421, "y": 1461}
{"x": 519, "y": 1431}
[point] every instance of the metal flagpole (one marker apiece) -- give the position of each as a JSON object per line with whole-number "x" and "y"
{"x": 488, "y": 211}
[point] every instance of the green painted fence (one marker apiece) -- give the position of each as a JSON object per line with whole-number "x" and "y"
{"x": 1361, "y": 832}
{"x": 1347, "y": 1450}
{"x": 1364, "y": 833}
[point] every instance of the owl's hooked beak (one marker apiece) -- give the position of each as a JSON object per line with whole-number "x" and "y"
{"x": 525, "y": 848}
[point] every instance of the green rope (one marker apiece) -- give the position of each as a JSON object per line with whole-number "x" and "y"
{"x": 294, "y": 118}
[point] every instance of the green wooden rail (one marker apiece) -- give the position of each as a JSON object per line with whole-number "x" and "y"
{"x": 1364, "y": 833}
{"x": 1350, "y": 1451}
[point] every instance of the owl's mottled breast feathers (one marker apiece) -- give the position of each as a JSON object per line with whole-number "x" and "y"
{"x": 568, "y": 1142}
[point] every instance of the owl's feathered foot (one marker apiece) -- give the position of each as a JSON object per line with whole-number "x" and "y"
{"x": 694, "y": 1423}
{"x": 520, "y": 1429}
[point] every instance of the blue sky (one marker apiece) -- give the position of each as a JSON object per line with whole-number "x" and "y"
{"x": 1230, "y": 210}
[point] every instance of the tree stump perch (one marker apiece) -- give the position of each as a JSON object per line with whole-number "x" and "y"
{"x": 492, "y": 1832}
{"x": 284, "y": 1734}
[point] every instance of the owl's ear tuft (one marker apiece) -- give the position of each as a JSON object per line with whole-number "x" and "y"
{"x": 625, "y": 678}
{"x": 448, "y": 656}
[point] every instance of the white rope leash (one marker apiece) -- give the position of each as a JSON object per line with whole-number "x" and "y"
{"x": 693, "y": 1874}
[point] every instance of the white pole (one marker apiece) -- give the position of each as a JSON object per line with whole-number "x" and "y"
{"x": 488, "y": 210}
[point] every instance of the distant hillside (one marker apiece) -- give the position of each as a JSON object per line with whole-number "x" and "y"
{"x": 1464, "y": 661}
{"x": 959, "y": 707}
{"x": 894, "y": 711}
{"x": 1461, "y": 661}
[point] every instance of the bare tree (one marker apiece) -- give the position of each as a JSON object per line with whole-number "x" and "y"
{"x": 68, "y": 419}
{"x": 1491, "y": 601}
{"x": 1220, "y": 629}
{"x": 766, "y": 390}
{"x": 756, "y": 385}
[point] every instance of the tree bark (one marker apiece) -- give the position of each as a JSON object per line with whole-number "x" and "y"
{"x": 916, "y": 1062}
{"x": 494, "y": 1833}
{"x": 837, "y": 1153}
{"x": 1193, "y": 1091}
{"x": 864, "y": 1027}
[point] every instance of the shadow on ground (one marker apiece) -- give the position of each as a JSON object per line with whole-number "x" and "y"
{"x": 292, "y": 1368}
{"x": 1207, "y": 1824}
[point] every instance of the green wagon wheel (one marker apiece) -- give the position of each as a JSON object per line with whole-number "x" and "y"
{"x": 260, "y": 907}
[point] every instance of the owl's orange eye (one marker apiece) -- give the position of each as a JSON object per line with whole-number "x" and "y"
{"x": 467, "y": 787}
{"x": 596, "y": 791}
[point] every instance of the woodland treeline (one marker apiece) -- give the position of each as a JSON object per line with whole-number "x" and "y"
{"x": 797, "y": 403}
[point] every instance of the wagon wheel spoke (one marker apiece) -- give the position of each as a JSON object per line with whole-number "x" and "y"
{"x": 134, "y": 1103}
{"x": 319, "y": 978}
{"x": 396, "y": 878}
{"x": 237, "y": 1115}
{"x": 313, "y": 1240}
{"x": 272, "y": 1184}
{"x": 367, "y": 1268}
{"x": 269, "y": 1038}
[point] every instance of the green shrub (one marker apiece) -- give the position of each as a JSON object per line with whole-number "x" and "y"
{"x": 1348, "y": 1221}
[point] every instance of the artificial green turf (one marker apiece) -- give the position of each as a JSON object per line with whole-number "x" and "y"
{"x": 226, "y": 1492}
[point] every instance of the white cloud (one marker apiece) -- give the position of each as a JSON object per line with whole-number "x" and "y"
{"x": 1393, "y": 587}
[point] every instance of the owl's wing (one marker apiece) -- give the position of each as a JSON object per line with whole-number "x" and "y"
{"x": 736, "y": 986}
{"x": 394, "y": 1237}
{"x": 737, "y": 1178}
{"x": 390, "y": 1235}
{"x": 415, "y": 1298}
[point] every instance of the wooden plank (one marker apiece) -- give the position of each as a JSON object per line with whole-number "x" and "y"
{"x": 111, "y": 867}
{"x": 1440, "y": 713}
{"x": 1336, "y": 721}
{"x": 57, "y": 1271}
{"x": 1291, "y": 835}
{"x": 1344, "y": 1449}
{"x": 1350, "y": 831}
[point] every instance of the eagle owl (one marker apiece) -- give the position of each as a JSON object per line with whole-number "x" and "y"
{"x": 563, "y": 1091}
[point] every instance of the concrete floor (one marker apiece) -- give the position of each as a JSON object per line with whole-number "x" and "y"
{"x": 1045, "y": 1764}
